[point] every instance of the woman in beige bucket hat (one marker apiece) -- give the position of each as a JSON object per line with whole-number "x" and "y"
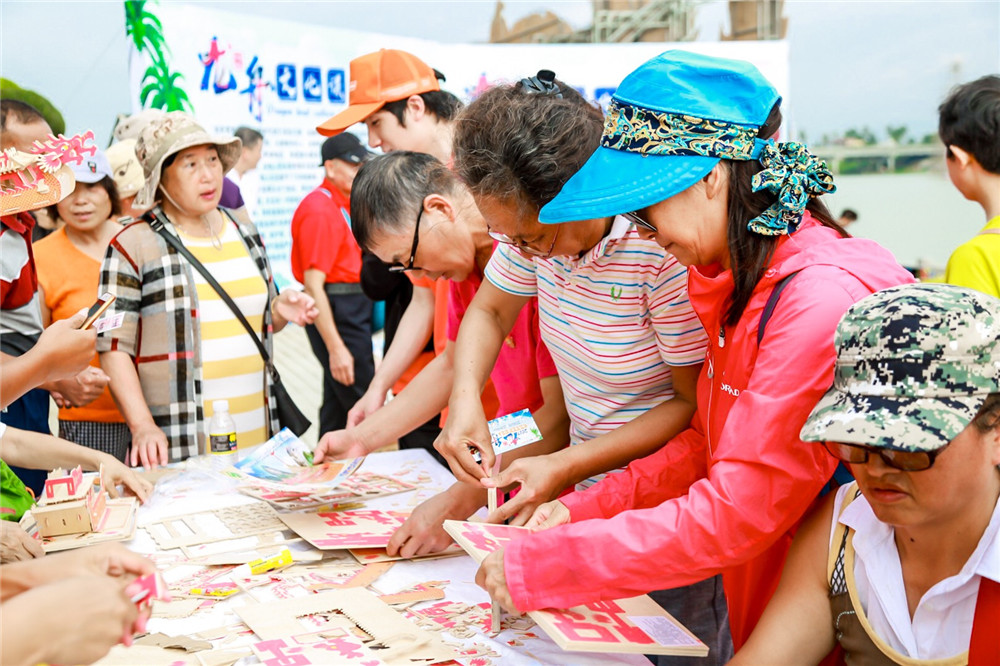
{"x": 180, "y": 347}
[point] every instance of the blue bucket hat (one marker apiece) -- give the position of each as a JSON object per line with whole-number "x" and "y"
{"x": 669, "y": 123}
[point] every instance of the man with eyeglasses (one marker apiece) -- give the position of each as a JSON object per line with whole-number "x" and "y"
{"x": 904, "y": 565}
{"x": 327, "y": 261}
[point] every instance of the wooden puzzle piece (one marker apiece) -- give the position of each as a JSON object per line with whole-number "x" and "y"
{"x": 343, "y": 649}
{"x": 204, "y": 527}
{"x": 396, "y": 640}
{"x": 636, "y": 625}
{"x": 361, "y": 528}
{"x": 117, "y": 524}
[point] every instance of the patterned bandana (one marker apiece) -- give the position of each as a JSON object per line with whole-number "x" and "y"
{"x": 790, "y": 171}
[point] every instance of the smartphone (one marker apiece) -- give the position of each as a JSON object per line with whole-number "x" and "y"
{"x": 97, "y": 309}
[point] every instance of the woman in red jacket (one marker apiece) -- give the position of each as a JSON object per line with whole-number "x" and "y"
{"x": 686, "y": 153}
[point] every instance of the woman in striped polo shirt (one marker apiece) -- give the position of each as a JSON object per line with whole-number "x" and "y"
{"x": 613, "y": 310}
{"x": 180, "y": 346}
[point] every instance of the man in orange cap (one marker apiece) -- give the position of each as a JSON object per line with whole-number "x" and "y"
{"x": 398, "y": 98}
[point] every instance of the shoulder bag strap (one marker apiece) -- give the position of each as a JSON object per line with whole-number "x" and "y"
{"x": 772, "y": 301}
{"x": 157, "y": 221}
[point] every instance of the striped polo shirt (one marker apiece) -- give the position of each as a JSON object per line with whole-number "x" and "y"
{"x": 232, "y": 368}
{"x": 614, "y": 320}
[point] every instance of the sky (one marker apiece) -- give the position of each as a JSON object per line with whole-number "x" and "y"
{"x": 852, "y": 63}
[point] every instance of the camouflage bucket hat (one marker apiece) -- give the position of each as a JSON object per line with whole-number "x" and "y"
{"x": 914, "y": 365}
{"x": 171, "y": 133}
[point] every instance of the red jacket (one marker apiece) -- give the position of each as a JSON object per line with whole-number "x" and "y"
{"x": 727, "y": 494}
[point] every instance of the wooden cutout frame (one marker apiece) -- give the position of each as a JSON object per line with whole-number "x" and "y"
{"x": 602, "y": 626}
{"x": 407, "y": 644}
{"x": 373, "y": 555}
{"x": 359, "y": 528}
{"x": 342, "y": 649}
{"x": 243, "y": 520}
{"x": 118, "y": 525}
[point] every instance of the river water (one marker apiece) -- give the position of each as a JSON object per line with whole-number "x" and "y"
{"x": 920, "y": 217}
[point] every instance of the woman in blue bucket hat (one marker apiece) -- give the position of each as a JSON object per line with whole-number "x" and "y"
{"x": 687, "y": 154}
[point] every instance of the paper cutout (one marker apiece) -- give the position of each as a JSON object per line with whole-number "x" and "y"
{"x": 602, "y": 626}
{"x": 361, "y": 528}
{"x": 400, "y": 641}
{"x": 359, "y": 487}
{"x": 429, "y": 591}
{"x": 194, "y": 529}
{"x": 176, "y": 608}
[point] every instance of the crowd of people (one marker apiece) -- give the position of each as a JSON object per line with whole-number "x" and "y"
{"x": 761, "y": 421}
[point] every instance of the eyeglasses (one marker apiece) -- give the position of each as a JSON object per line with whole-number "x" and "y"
{"x": 638, "y": 221}
{"x": 524, "y": 247}
{"x": 908, "y": 461}
{"x": 399, "y": 268}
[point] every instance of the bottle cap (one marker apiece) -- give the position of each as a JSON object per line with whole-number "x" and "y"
{"x": 220, "y": 406}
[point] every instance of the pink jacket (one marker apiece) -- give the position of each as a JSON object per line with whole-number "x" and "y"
{"x": 727, "y": 494}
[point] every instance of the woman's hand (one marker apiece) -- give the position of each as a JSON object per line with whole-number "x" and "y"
{"x": 541, "y": 479}
{"x": 339, "y": 445}
{"x": 116, "y": 473}
{"x": 149, "y": 446}
{"x": 548, "y": 515}
{"x": 491, "y": 577}
{"x": 293, "y": 306}
{"x": 466, "y": 427}
{"x": 16, "y": 544}
{"x": 422, "y": 533}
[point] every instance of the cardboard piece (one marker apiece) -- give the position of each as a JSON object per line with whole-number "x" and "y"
{"x": 185, "y": 643}
{"x": 372, "y": 555}
{"x": 153, "y": 655}
{"x": 360, "y": 528}
{"x": 360, "y": 487}
{"x": 195, "y": 529}
{"x": 429, "y": 591}
{"x": 117, "y": 524}
{"x": 634, "y": 625}
{"x": 342, "y": 649}
{"x": 397, "y": 641}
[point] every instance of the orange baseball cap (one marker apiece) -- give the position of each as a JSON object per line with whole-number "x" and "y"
{"x": 377, "y": 78}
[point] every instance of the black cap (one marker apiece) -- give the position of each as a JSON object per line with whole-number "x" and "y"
{"x": 345, "y": 147}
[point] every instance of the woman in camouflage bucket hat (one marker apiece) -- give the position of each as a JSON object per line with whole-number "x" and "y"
{"x": 911, "y": 567}
{"x": 180, "y": 347}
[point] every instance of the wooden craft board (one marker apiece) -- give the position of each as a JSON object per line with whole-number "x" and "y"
{"x": 119, "y": 525}
{"x": 634, "y": 625}
{"x": 190, "y": 530}
{"x": 406, "y": 644}
{"x": 358, "y": 528}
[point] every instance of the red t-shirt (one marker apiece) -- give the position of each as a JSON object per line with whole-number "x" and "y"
{"x": 523, "y": 358}
{"x": 322, "y": 238}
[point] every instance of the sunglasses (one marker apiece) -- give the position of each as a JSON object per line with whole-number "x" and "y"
{"x": 400, "y": 268}
{"x": 524, "y": 247}
{"x": 638, "y": 221}
{"x": 907, "y": 461}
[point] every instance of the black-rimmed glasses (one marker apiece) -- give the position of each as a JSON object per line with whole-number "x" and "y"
{"x": 524, "y": 247}
{"x": 399, "y": 268}
{"x": 638, "y": 221}
{"x": 907, "y": 461}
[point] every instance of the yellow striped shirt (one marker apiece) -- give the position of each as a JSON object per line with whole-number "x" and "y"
{"x": 232, "y": 368}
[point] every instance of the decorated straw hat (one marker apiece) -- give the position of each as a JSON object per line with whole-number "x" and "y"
{"x": 168, "y": 135}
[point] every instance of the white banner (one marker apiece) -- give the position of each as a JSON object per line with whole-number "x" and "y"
{"x": 284, "y": 78}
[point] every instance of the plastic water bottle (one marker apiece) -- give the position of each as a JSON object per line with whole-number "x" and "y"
{"x": 221, "y": 436}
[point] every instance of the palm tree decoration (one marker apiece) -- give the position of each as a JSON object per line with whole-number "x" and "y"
{"x": 160, "y": 88}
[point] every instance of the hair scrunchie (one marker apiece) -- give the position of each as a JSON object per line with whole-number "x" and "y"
{"x": 793, "y": 174}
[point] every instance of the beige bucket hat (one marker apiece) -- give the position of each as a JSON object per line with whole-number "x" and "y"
{"x": 125, "y": 167}
{"x": 168, "y": 135}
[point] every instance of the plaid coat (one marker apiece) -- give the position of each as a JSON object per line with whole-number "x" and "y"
{"x": 155, "y": 291}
